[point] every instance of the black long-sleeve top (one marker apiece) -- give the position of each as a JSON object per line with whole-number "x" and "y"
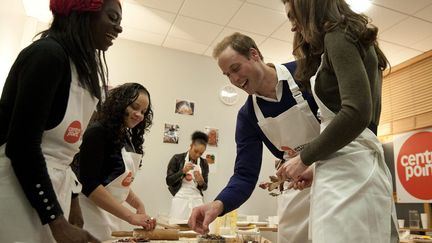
{"x": 175, "y": 173}
{"x": 34, "y": 100}
{"x": 99, "y": 161}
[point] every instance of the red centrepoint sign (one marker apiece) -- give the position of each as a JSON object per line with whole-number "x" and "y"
{"x": 413, "y": 163}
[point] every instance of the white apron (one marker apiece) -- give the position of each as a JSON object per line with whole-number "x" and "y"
{"x": 187, "y": 197}
{"x": 99, "y": 222}
{"x": 351, "y": 198}
{"x": 289, "y": 132}
{"x": 59, "y": 145}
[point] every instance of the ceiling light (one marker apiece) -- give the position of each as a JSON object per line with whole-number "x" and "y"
{"x": 359, "y": 6}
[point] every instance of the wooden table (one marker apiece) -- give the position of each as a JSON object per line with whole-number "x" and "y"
{"x": 410, "y": 241}
{"x": 186, "y": 240}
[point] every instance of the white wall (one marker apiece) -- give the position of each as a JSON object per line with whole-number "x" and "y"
{"x": 10, "y": 41}
{"x": 171, "y": 74}
{"x": 16, "y": 32}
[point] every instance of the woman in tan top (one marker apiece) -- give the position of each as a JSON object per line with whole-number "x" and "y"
{"x": 337, "y": 51}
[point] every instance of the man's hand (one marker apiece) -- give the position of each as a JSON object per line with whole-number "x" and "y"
{"x": 203, "y": 215}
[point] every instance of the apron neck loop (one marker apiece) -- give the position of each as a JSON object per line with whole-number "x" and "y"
{"x": 188, "y": 159}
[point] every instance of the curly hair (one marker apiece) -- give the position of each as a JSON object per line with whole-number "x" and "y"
{"x": 318, "y": 17}
{"x": 113, "y": 111}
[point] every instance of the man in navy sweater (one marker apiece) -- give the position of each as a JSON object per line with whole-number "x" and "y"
{"x": 277, "y": 113}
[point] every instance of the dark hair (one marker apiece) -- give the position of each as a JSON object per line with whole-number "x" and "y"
{"x": 200, "y": 138}
{"x": 239, "y": 42}
{"x": 316, "y": 18}
{"x": 74, "y": 33}
{"x": 113, "y": 111}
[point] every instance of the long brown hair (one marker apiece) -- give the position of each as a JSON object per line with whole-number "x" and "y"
{"x": 317, "y": 17}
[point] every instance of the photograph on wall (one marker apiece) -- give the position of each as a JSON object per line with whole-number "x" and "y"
{"x": 171, "y": 133}
{"x": 213, "y": 136}
{"x": 210, "y": 156}
{"x": 184, "y": 107}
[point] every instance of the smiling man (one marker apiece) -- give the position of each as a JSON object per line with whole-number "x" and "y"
{"x": 276, "y": 113}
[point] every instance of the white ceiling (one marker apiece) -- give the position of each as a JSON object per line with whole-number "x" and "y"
{"x": 196, "y": 26}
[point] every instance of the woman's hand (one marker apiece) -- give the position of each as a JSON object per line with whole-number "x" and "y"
{"x": 67, "y": 233}
{"x": 140, "y": 209}
{"x": 188, "y": 166}
{"x": 142, "y": 220}
{"x": 198, "y": 178}
{"x": 292, "y": 169}
{"x": 305, "y": 180}
{"x": 75, "y": 215}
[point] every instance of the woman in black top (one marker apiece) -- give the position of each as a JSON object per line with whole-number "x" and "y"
{"x": 48, "y": 98}
{"x": 187, "y": 178}
{"x": 109, "y": 158}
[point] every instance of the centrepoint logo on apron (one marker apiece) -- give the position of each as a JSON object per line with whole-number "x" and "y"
{"x": 128, "y": 180}
{"x": 414, "y": 165}
{"x": 292, "y": 152}
{"x": 73, "y": 132}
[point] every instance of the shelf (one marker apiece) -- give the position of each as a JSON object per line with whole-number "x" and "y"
{"x": 417, "y": 229}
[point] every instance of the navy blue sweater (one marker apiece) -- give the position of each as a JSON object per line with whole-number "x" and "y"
{"x": 249, "y": 139}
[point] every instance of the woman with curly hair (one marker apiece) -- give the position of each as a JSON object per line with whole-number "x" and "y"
{"x": 109, "y": 158}
{"x": 337, "y": 51}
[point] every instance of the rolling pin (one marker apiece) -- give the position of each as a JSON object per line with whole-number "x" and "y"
{"x": 168, "y": 226}
{"x": 156, "y": 234}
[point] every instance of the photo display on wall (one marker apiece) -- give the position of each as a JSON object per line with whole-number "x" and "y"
{"x": 184, "y": 107}
{"x": 211, "y": 158}
{"x": 213, "y": 136}
{"x": 171, "y": 133}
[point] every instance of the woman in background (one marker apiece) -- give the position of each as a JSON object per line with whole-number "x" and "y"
{"x": 109, "y": 158}
{"x": 187, "y": 178}
{"x": 338, "y": 52}
{"x": 49, "y": 95}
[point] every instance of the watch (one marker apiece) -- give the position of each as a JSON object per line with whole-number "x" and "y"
{"x": 229, "y": 95}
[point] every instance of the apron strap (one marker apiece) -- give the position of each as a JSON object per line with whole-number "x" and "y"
{"x": 258, "y": 113}
{"x": 260, "y": 117}
{"x": 284, "y": 73}
{"x": 70, "y": 177}
{"x": 295, "y": 90}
